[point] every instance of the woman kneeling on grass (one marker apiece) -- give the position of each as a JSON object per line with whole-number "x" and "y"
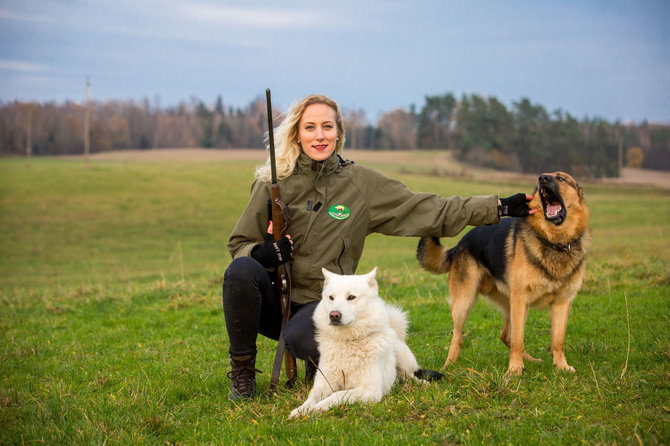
{"x": 334, "y": 204}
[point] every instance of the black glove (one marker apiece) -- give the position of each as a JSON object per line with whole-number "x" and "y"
{"x": 514, "y": 206}
{"x": 272, "y": 253}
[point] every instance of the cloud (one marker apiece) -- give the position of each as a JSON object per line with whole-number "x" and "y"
{"x": 10, "y": 15}
{"x": 249, "y": 17}
{"x": 22, "y": 66}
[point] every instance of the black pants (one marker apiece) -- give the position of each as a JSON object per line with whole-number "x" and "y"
{"x": 251, "y": 306}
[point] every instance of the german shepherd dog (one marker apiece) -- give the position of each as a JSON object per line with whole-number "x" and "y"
{"x": 537, "y": 261}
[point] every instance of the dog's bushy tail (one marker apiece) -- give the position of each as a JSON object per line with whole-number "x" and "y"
{"x": 432, "y": 256}
{"x": 398, "y": 321}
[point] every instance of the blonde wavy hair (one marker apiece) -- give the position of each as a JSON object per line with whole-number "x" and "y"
{"x": 287, "y": 148}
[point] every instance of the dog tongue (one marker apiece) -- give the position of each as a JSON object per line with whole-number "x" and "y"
{"x": 553, "y": 209}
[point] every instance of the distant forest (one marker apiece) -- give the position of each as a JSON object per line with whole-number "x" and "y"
{"x": 481, "y": 130}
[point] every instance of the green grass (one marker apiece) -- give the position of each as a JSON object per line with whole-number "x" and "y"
{"x": 112, "y": 328}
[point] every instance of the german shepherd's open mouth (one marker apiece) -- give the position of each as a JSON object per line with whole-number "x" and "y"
{"x": 552, "y": 203}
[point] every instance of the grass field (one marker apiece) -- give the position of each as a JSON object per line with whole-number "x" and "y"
{"x": 112, "y": 328}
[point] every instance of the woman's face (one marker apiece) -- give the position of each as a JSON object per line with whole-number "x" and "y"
{"x": 317, "y": 131}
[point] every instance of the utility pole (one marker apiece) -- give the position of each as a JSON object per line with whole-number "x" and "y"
{"x": 87, "y": 141}
{"x": 620, "y": 156}
{"x": 29, "y": 130}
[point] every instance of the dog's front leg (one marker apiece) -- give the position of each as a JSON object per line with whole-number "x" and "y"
{"x": 370, "y": 391}
{"x": 320, "y": 391}
{"x": 558, "y": 314}
{"x": 303, "y": 410}
{"x": 518, "y": 314}
{"x": 505, "y": 337}
{"x": 360, "y": 395}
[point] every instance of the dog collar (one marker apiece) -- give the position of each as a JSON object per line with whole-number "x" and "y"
{"x": 567, "y": 247}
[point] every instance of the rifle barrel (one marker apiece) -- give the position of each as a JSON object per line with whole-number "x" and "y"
{"x": 271, "y": 136}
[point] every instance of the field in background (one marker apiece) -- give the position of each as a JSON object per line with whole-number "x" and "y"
{"x": 112, "y": 329}
{"x": 437, "y": 162}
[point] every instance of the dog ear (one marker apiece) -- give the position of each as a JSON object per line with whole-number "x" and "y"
{"x": 327, "y": 274}
{"x": 372, "y": 280}
{"x": 580, "y": 191}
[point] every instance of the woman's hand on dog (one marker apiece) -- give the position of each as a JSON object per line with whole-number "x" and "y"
{"x": 515, "y": 206}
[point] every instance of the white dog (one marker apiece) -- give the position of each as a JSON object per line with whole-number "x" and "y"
{"x": 361, "y": 340}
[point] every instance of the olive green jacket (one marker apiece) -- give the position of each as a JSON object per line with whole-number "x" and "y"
{"x": 335, "y": 204}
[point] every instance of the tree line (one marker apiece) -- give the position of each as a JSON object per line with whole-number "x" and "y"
{"x": 481, "y": 130}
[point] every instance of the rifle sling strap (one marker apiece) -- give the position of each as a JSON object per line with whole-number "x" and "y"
{"x": 285, "y": 212}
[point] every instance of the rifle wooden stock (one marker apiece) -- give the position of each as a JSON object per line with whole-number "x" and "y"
{"x": 281, "y": 219}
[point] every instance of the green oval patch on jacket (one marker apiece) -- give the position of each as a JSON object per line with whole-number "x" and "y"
{"x": 339, "y": 212}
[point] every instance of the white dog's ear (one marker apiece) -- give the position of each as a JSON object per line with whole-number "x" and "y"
{"x": 327, "y": 274}
{"x": 372, "y": 281}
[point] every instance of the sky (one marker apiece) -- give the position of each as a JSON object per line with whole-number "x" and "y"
{"x": 589, "y": 58}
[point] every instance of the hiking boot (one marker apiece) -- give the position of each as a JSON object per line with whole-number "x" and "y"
{"x": 243, "y": 377}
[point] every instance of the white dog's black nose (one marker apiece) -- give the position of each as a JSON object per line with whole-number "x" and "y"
{"x": 335, "y": 317}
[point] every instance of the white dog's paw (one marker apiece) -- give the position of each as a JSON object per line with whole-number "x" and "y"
{"x": 300, "y": 412}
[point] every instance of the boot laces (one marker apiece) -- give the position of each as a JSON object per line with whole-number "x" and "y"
{"x": 243, "y": 377}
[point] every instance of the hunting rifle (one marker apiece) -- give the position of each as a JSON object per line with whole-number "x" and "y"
{"x": 281, "y": 219}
